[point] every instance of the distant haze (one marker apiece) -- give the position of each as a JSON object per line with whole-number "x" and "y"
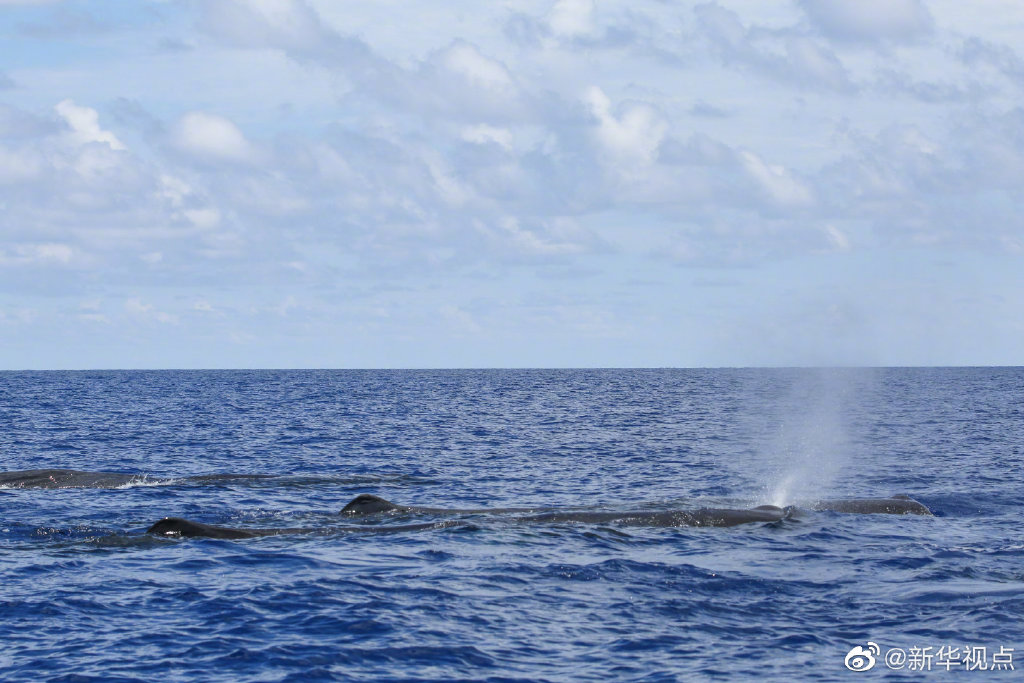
{"x": 289, "y": 183}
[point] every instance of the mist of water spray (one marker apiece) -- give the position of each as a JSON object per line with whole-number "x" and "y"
{"x": 809, "y": 444}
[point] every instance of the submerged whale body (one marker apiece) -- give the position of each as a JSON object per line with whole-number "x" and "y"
{"x": 368, "y": 504}
{"x": 668, "y": 518}
{"x": 78, "y": 479}
{"x": 186, "y": 528}
{"x": 899, "y": 504}
{"x": 65, "y": 479}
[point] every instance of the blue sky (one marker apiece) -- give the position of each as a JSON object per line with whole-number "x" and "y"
{"x": 320, "y": 183}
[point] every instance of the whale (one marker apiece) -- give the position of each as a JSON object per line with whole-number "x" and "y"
{"x": 176, "y": 527}
{"x": 369, "y": 505}
{"x": 364, "y": 504}
{"x": 185, "y": 528}
{"x": 711, "y": 517}
{"x": 899, "y": 504}
{"x": 698, "y": 517}
{"x": 65, "y": 479}
{"x": 78, "y": 479}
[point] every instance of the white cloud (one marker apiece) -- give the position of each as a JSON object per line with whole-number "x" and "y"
{"x": 776, "y": 181}
{"x": 212, "y": 137}
{"x": 85, "y": 126}
{"x": 38, "y": 254}
{"x": 482, "y": 134}
{"x": 572, "y": 18}
{"x": 59, "y": 253}
{"x": 363, "y": 164}
{"x": 548, "y": 238}
{"x": 138, "y": 309}
{"x": 633, "y": 137}
{"x": 203, "y": 218}
{"x": 174, "y": 190}
{"x": 837, "y": 237}
{"x": 467, "y": 61}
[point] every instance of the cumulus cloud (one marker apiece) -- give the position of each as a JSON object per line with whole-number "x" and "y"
{"x": 85, "y": 126}
{"x": 583, "y": 26}
{"x": 212, "y": 137}
{"x": 915, "y": 190}
{"x": 466, "y": 61}
{"x": 632, "y": 138}
{"x": 623, "y": 139}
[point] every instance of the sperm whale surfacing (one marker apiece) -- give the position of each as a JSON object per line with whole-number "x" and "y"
{"x": 900, "y": 504}
{"x": 368, "y": 505}
{"x": 184, "y": 528}
{"x": 65, "y": 479}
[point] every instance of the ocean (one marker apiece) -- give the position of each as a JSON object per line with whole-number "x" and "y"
{"x": 87, "y": 595}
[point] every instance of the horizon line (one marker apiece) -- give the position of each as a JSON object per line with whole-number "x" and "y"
{"x": 505, "y": 368}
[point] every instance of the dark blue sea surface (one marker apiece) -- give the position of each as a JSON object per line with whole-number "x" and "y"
{"x": 86, "y": 594}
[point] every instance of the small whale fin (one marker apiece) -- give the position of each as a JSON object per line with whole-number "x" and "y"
{"x": 901, "y": 496}
{"x": 368, "y": 504}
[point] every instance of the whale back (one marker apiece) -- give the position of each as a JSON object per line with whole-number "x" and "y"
{"x": 184, "y": 528}
{"x": 896, "y": 505}
{"x": 368, "y": 504}
{"x": 64, "y": 479}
